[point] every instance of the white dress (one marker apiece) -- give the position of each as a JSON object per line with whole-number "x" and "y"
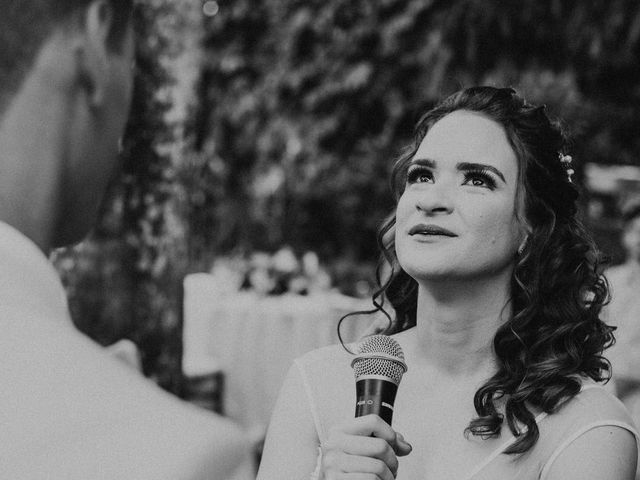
{"x": 328, "y": 383}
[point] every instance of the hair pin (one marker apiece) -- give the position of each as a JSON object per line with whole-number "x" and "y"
{"x": 566, "y": 161}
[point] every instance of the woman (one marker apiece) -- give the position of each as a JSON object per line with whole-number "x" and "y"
{"x": 497, "y": 293}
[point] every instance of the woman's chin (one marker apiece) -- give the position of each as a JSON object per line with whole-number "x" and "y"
{"x": 433, "y": 273}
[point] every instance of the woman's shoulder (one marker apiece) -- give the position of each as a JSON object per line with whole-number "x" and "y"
{"x": 583, "y": 426}
{"x": 619, "y": 274}
{"x": 337, "y": 357}
{"x": 596, "y": 400}
{"x": 328, "y": 358}
{"x": 327, "y": 379}
{"x": 593, "y": 406}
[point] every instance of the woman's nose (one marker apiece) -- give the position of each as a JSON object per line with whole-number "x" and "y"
{"x": 434, "y": 200}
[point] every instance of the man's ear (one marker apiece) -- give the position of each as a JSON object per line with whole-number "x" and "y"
{"x": 92, "y": 54}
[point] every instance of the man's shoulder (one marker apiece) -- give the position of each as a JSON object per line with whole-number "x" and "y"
{"x": 70, "y": 403}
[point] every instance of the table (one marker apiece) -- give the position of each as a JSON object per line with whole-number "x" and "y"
{"x": 254, "y": 339}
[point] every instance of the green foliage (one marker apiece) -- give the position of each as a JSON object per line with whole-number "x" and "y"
{"x": 304, "y": 105}
{"x": 300, "y": 109}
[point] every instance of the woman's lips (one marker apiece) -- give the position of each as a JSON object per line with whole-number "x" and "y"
{"x": 423, "y": 229}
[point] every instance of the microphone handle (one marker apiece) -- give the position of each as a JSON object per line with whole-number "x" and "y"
{"x": 375, "y": 395}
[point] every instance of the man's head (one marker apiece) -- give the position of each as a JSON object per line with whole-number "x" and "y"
{"x": 26, "y": 24}
{"x": 65, "y": 80}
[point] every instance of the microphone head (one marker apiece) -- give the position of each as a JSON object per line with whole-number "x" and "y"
{"x": 379, "y": 356}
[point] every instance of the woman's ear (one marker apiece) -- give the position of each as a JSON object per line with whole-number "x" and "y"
{"x": 92, "y": 54}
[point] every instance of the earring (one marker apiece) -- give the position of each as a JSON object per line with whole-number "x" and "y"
{"x": 523, "y": 245}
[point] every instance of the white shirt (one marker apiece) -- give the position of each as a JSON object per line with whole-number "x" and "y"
{"x": 69, "y": 411}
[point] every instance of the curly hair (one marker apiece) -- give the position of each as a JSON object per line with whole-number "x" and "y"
{"x": 555, "y": 335}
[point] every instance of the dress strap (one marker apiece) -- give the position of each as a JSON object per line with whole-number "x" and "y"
{"x": 313, "y": 407}
{"x": 315, "y": 475}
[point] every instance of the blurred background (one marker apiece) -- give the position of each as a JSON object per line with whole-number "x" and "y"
{"x": 258, "y": 150}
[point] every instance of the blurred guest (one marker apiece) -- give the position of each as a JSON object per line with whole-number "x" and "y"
{"x": 68, "y": 410}
{"x": 624, "y": 312}
{"x": 497, "y": 296}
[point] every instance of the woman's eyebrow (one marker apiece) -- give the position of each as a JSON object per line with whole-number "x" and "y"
{"x": 466, "y": 166}
{"x": 425, "y": 162}
{"x": 462, "y": 166}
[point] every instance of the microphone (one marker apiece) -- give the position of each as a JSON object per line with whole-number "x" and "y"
{"x": 378, "y": 367}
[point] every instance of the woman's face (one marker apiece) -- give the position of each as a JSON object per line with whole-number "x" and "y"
{"x": 457, "y": 216}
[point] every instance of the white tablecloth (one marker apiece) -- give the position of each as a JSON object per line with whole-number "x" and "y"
{"x": 253, "y": 339}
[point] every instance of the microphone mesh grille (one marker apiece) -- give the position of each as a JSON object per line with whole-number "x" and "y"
{"x": 368, "y": 361}
{"x": 381, "y": 344}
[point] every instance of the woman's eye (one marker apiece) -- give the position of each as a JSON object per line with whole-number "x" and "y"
{"x": 479, "y": 179}
{"x": 417, "y": 174}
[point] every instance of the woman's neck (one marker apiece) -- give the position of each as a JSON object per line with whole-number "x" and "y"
{"x": 456, "y": 324}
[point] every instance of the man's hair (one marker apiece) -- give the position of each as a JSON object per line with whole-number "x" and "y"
{"x": 26, "y": 24}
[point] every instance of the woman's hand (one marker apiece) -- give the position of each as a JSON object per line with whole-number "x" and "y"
{"x": 361, "y": 449}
